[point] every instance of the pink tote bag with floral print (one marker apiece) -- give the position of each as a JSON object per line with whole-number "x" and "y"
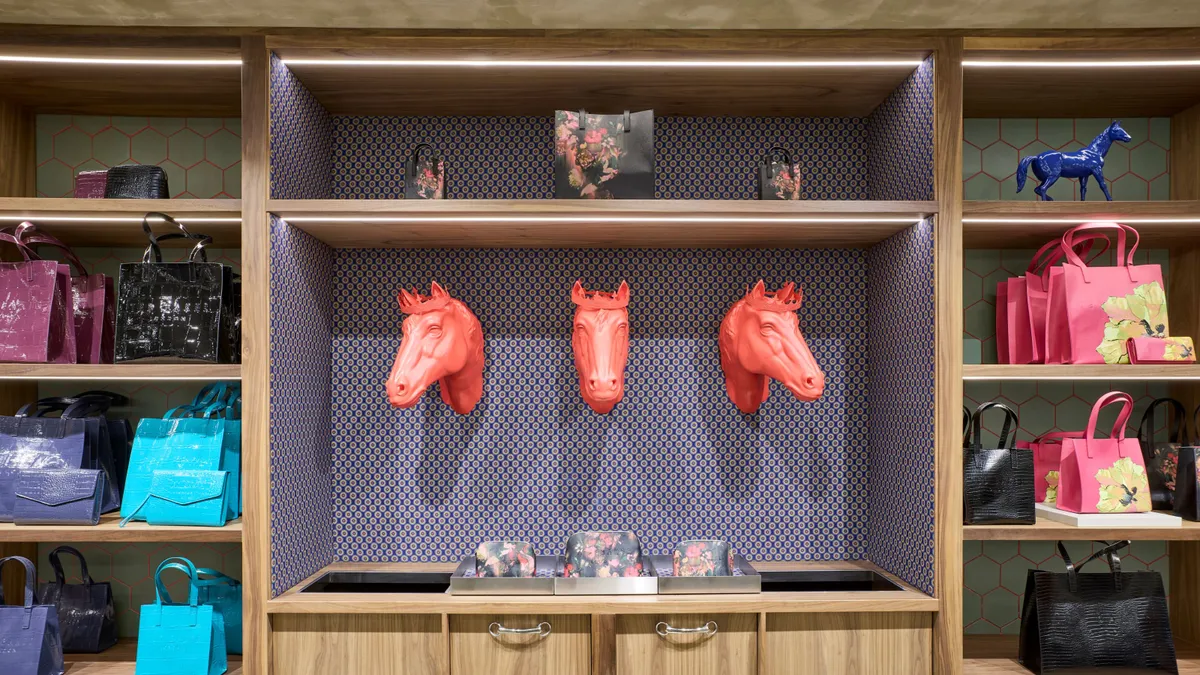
{"x": 1047, "y": 457}
{"x": 1104, "y": 475}
{"x": 1026, "y": 307}
{"x": 1093, "y": 311}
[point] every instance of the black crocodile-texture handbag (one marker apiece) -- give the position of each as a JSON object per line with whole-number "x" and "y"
{"x": 176, "y": 311}
{"x": 136, "y": 181}
{"x": 997, "y": 482}
{"x": 1094, "y": 623}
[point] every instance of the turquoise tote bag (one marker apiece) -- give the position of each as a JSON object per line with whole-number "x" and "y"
{"x": 177, "y": 639}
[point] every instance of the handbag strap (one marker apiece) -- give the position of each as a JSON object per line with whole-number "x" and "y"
{"x": 27, "y": 253}
{"x": 115, "y": 400}
{"x": 1108, "y": 553}
{"x": 415, "y": 156}
{"x": 583, "y": 121}
{"x": 1118, "y": 430}
{"x": 1051, "y": 253}
{"x": 217, "y": 578}
{"x": 59, "y": 577}
{"x": 155, "y": 252}
{"x": 183, "y": 565}
{"x": 1123, "y": 259}
{"x": 1010, "y": 423}
{"x": 30, "y": 580}
{"x": 1177, "y": 422}
{"x": 29, "y": 235}
{"x": 966, "y": 425}
{"x": 788, "y": 159}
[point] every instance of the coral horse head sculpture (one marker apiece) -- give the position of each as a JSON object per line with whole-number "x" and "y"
{"x": 443, "y": 342}
{"x": 760, "y": 341}
{"x": 601, "y": 344}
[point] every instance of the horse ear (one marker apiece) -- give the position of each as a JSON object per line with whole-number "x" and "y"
{"x": 759, "y": 290}
{"x": 798, "y": 296}
{"x": 578, "y": 295}
{"x": 436, "y": 290}
{"x": 404, "y": 298}
{"x": 623, "y": 293}
{"x": 785, "y": 292}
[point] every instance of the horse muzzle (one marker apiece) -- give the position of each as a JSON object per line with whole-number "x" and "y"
{"x": 403, "y": 394}
{"x": 808, "y": 387}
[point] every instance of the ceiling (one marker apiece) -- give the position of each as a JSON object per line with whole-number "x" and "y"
{"x": 612, "y": 14}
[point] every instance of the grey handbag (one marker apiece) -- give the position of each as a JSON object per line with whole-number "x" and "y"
{"x": 59, "y": 496}
{"x": 29, "y": 638}
{"x": 86, "y": 616}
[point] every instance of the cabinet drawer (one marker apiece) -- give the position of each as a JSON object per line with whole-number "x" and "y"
{"x": 363, "y": 644}
{"x": 561, "y": 645}
{"x": 849, "y": 644}
{"x": 693, "y": 644}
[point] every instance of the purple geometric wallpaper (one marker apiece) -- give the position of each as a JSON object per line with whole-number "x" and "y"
{"x": 301, "y": 316}
{"x": 900, "y": 140}
{"x": 900, "y": 404}
{"x": 300, "y": 137}
{"x": 513, "y": 157}
{"x": 674, "y": 460}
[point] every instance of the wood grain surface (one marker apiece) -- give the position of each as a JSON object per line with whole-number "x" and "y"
{"x": 850, "y": 644}
{"x": 566, "y": 651}
{"x": 340, "y": 644}
{"x": 732, "y": 650}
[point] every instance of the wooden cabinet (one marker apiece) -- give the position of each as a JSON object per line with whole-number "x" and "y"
{"x": 849, "y": 644}
{"x": 491, "y": 644}
{"x": 721, "y": 644}
{"x": 363, "y": 644}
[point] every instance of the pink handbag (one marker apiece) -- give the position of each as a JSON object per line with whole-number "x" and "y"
{"x": 35, "y": 323}
{"x": 1047, "y": 456}
{"x": 1004, "y": 352}
{"x": 1161, "y": 350}
{"x": 1093, "y": 311}
{"x": 1027, "y": 299}
{"x": 1104, "y": 475}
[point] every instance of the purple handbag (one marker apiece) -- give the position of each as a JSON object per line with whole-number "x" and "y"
{"x": 37, "y": 443}
{"x": 29, "y": 637}
{"x": 35, "y": 325}
{"x": 90, "y": 184}
{"x": 58, "y": 496}
{"x": 92, "y": 300}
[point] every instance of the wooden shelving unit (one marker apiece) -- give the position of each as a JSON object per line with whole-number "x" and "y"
{"x": 1178, "y": 373}
{"x": 108, "y": 531}
{"x": 546, "y": 223}
{"x": 120, "y": 660}
{"x": 1048, "y": 530}
{"x": 997, "y": 655}
{"x": 170, "y": 372}
{"x": 1014, "y": 224}
{"x": 117, "y": 222}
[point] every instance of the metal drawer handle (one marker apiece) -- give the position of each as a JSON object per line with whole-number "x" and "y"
{"x": 542, "y": 630}
{"x": 664, "y": 629}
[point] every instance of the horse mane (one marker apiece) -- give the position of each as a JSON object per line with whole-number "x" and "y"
{"x": 727, "y": 334}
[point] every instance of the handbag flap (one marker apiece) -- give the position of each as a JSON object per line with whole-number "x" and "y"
{"x": 186, "y": 487}
{"x": 58, "y": 487}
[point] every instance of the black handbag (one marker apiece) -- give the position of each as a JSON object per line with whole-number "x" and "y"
{"x": 778, "y": 175}
{"x": 87, "y": 618}
{"x": 98, "y": 446}
{"x": 136, "y": 181}
{"x": 1187, "y": 474}
{"x": 1162, "y": 458}
{"x": 997, "y": 482}
{"x": 1091, "y": 623}
{"x": 603, "y": 156}
{"x": 425, "y": 174}
{"x": 176, "y": 311}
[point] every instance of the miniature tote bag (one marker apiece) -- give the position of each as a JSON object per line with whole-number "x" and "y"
{"x": 778, "y": 175}
{"x": 29, "y": 637}
{"x": 180, "y": 639}
{"x": 1093, "y": 311}
{"x": 1104, "y": 475}
{"x": 603, "y": 156}
{"x": 425, "y": 174}
{"x": 86, "y": 614}
{"x": 997, "y": 482}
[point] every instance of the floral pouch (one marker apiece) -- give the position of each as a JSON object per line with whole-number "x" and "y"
{"x": 1161, "y": 350}
{"x": 603, "y": 555}
{"x": 425, "y": 174}
{"x": 709, "y": 558}
{"x": 505, "y": 559}
{"x": 778, "y": 175}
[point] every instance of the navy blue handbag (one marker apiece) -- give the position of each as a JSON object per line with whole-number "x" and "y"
{"x": 29, "y": 639}
{"x": 59, "y": 496}
{"x": 86, "y": 615}
{"x": 37, "y": 443}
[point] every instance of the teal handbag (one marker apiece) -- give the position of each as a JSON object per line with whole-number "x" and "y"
{"x": 224, "y": 593}
{"x": 170, "y": 444}
{"x": 225, "y": 400}
{"x": 185, "y": 497}
{"x": 176, "y": 639}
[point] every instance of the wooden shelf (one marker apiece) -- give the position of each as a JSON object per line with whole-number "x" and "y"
{"x": 1021, "y": 224}
{"x": 1082, "y": 372}
{"x": 120, "y": 660}
{"x": 997, "y": 655}
{"x": 550, "y": 223}
{"x": 1049, "y": 530}
{"x": 344, "y": 87}
{"x": 78, "y": 222}
{"x": 202, "y": 372}
{"x": 293, "y": 602}
{"x": 108, "y": 531}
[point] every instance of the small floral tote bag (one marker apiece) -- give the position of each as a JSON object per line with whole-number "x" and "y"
{"x": 778, "y": 175}
{"x": 603, "y": 156}
{"x": 1104, "y": 475}
{"x": 425, "y": 174}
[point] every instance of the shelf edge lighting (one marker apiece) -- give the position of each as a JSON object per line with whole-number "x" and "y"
{"x": 101, "y": 61}
{"x": 590, "y": 219}
{"x": 111, "y": 219}
{"x": 1071, "y": 221}
{"x": 1074, "y": 63}
{"x": 609, "y": 63}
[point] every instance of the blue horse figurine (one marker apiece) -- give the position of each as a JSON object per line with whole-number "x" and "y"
{"x": 1053, "y": 164}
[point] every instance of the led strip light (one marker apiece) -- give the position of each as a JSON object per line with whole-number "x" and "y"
{"x": 101, "y": 61}
{"x": 1073, "y": 63}
{"x": 1073, "y": 221}
{"x": 433, "y": 218}
{"x": 609, "y": 63}
{"x": 112, "y": 219}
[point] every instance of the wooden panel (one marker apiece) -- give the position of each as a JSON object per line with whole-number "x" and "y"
{"x": 566, "y": 651}
{"x": 732, "y": 650}
{"x": 120, "y": 371}
{"x": 1013, "y": 224}
{"x": 1078, "y": 372}
{"x": 850, "y": 644}
{"x": 1048, "y": 530}
{"x": 18, "y": 175}
{"x": 542, "y": 223}
{"x": 997, "y": 655}
{"x": 1140, "y": 41}
{"x": 256, "y": 357}
{"x": 117, "y": 222}
{"x": 1185, "y": 154}
{"x": 604, "y": 644}
{"x": 108, "y": 531}
{"x": 335, "y": 644}
{"x": 947, "y": 70}
{"x": 119, "y": 660}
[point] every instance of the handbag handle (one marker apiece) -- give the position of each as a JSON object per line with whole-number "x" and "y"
{"x": 415, "y": 156}
{"x": 218, "y": 578}
{"x": 583, "y": 121}
{"x": 27, "y": 253}
{"x": 1010, "y": 423}
{"x": 1051, "y": 254}
{"x": 1123, "y": 259}
{"x": 59, "y": 577}
{"x": 787, "y": 159}
{"x": 30, "y": 579}
{"x": 966, "y": 425}
{"x": 115, "y": 400}
{"x": 198, "y": 251}
{"x": 29, "y": 235}
{"x": 215, "y": 392}
{"x": 1108, "y": 553}
{"x": 1177, "y": 425}
{"x": 183, "y": 565}
{"x": 1118, "y": 430}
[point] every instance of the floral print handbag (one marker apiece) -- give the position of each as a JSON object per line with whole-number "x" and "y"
{"x": 603, "y": 156}
{"x": 1162, "y": 457}
{"x": 1187, "y": 476}
{"x": 778, "y": 175}
{"x": 1104, "y": 475}
{"x": 425, "y": 174}
{"x": 709, "y": 558}
{"x": 505, "y": 559}
{"x": 603, "y": 555}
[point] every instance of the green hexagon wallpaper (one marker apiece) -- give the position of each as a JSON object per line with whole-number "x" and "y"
{"x": 1136, "y": 171}
{"x": 202, "y": 156}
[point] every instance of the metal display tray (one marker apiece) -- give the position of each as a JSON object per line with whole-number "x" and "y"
{"x": 745, "y": 579}
{"x": 647, "y": 584}
{"x": 464, "y": 581}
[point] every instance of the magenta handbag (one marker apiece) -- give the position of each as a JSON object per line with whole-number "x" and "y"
{"x": 1161, "y": 350}
{"x": 92, "y": 300}
{"x": 90, "y": 184}
{"x": 1094, "y": 311}
{"x": 1047, "y": 456}
{"x": 35, "y": 325}
{"x": 1104, "y": 475}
